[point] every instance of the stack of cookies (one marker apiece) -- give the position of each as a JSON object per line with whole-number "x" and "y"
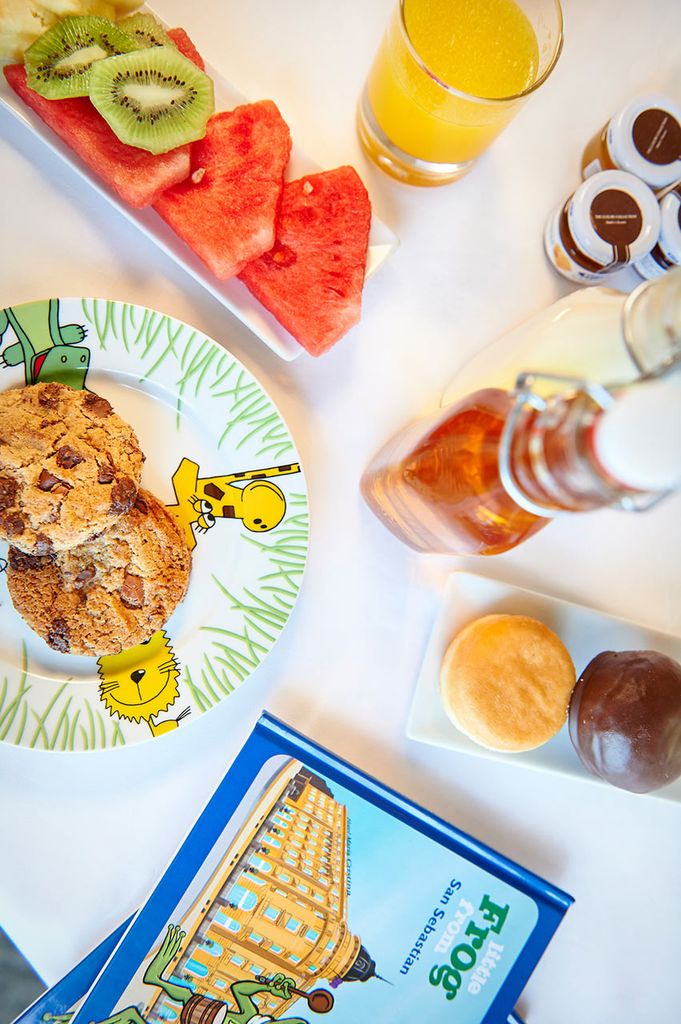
{"x": 96, "y": 563}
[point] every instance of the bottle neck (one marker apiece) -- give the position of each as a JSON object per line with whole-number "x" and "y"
{"x": 553, "y": 459}
{"x": 590, "y": 448}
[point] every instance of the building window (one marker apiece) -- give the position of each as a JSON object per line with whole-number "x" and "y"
{"x": 242, "y": 897}
{"x": 293, "y": 958}
{"x": 292, "y": 925}
{"x": 236, "y": 959}
{"x": 303, "y": 888}
{"x": 312, "y": 969}
{"x": 219, "y": 983}
{"x": 274, "y": 948}
{"x": 330, "y": 944}
{"x": 271, "y": 913}
{"x": 311, "y": 935}
{"x": 254, "y": 937}
{"x": 167, "y": 1013}
{"x": 260, "y": 863}
{"x": 254, "y": 969}
{"x": 291, "y": 861}
{"x": 272, "y": 840}
{"x": 227, "y": 921}
{"x": 211, "y": 947}
{"x": 318, "y": 896}
{"x": 197, "y": 968}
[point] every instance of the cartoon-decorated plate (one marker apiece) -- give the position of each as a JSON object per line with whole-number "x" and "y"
{"x": 221, "y": 458}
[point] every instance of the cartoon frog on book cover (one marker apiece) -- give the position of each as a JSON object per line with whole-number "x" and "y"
{"x": 198, "y": 1009}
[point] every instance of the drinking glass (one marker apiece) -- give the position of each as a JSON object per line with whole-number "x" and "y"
{"x": 416, "y": 119}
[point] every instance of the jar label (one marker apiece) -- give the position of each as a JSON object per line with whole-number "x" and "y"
{"x": 657, "y": 136}
{"x": 617, "y": 218}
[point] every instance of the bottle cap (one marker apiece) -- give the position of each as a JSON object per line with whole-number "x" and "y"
{"x": 614, "y": 218}
{"x": 644, "y": 138}
{"x": 638, "y": 439}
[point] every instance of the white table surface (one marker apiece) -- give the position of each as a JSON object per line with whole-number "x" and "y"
{"x": 83, "y": 836}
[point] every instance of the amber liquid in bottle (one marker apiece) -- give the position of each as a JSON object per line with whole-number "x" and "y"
{"x": 442, "y": 491}
{"x": 438, "y": 485}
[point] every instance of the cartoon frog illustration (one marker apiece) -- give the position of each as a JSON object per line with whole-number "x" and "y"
{"x": 49, "y": 350}
{"x": 140, "y": 683}
{"x": 243, "y": 992}
{"x": 201, "y": 501}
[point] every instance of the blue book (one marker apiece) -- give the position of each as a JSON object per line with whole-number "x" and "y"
{"x": 60, "y": 1001}
{"x": 307, "y": 888}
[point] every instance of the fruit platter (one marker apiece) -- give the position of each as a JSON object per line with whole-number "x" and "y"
{"x": 134, "y": 180}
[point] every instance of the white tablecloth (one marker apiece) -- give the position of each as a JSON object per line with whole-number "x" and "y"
{"x": 83, "y": 836}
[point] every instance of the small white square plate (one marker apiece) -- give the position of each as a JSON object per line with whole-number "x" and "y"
{"x": 232, "y": 294}
{"x": 584, "y": 631}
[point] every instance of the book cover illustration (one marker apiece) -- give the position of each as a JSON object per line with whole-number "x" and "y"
{"x": 315, "y": 901}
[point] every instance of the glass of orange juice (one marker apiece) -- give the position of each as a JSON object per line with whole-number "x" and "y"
{"x": 448, "y": 77}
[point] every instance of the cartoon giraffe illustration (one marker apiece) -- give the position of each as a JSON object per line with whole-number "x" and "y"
{"x": 49, "y": 350}
{"x": 201, "y": 501}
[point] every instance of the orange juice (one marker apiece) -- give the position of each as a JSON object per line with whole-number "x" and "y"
{"x": 449, "y": 76}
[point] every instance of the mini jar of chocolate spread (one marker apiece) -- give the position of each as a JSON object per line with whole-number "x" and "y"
{"x": 643, "y": 138}
{"x": 666, "y": 253}
{"x": 612, "y": 220}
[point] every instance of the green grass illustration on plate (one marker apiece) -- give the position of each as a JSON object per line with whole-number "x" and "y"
{"x": 202, "y": 371}
{"x": 235, "y": 653}
{"x": 59, "y": 726}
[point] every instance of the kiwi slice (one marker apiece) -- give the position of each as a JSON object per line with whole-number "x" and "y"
{"x": 155, "y": 99}
{"x": 58, "y": 63}
{"x": 145, "y": 30}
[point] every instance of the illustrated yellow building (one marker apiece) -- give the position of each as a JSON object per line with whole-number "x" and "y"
{"x": 276, "y": 903}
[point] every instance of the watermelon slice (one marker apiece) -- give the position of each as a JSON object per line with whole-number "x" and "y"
{"x": 186, "y": 46}
{"x": 312, "y": 279}
{"x": 137, "y": 176}
{"x": 227, "y": 209}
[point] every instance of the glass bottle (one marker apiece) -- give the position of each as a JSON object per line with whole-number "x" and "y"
{"x": 494, "y": 468}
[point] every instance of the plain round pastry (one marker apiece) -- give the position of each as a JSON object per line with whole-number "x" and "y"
{"x": 506, "y": 682}
{"x": 69, "y": 467}
{"x": 111, "y": 592}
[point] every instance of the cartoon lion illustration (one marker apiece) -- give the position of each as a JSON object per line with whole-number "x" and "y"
{"x": 142, "y": 682}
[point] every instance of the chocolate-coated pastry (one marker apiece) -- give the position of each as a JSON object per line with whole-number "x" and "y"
{"x": 625, "y": 719}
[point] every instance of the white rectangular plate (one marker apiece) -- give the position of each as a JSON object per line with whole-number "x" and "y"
{"x": 232, "y": 294}
{"x": 584, "y": 631}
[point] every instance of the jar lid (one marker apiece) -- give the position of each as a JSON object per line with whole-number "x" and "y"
{"x": 614, "y": 218}
{"x": 644, "y": 138}
{"x": 670, "y": 227}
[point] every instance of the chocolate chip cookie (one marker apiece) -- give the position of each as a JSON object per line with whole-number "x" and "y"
{"x": 111, "y": 592}
{"x": 69, "y": 467}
